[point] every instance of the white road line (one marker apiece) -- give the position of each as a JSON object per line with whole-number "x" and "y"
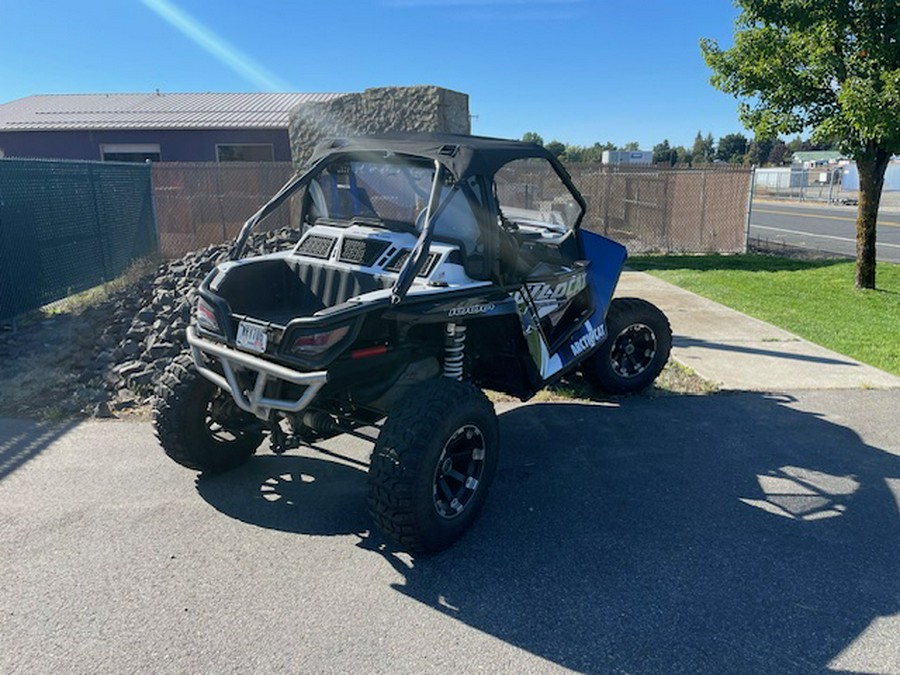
{"x": 848, "y": 218}
{"x": 820, "y": 236}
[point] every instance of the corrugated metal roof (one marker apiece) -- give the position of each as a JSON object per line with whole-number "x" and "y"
{"x": 816, "y": 155}
{"x": 152, "y": 111}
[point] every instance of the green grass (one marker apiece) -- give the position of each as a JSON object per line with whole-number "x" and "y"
{"x": 814, "y": 299}
{"x": 78, "y": 302}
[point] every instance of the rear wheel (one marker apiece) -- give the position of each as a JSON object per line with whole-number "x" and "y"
{"x": 198, "y": 425}
{"x": 635, "y": 351}
{"x": 433, "y": 464}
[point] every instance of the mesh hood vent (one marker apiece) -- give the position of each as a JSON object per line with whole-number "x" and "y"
{"x": 362, "y": 251}
{"x": 316, "y": 246}
{"x": 400, "y": 259}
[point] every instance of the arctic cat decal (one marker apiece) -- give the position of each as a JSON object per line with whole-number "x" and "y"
{"x": 588, "y": 340}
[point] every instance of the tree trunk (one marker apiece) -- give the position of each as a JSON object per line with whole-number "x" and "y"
{"x": 871, "y": 166}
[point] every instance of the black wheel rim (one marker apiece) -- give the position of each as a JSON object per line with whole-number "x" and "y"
{"x": 459, "y": 470}
{"x": 633, "y": 350}
{"x": 221, "y": 421}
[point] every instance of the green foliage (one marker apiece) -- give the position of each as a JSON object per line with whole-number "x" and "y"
{"x": 631, "y": 146}
{"x": 568, "y": 152}
{"x": 556, "y": 148}
{"x": 683, "y": 155}
{"x": 663, "y": 153}
{"x": 779, "y": 154}
{"x": 812, "y": 298}
{"x": 833, "y": 67}
{"x": 758, "y": 151}
{"x": 703, "y": 150}
{"x": 731, "y": 148}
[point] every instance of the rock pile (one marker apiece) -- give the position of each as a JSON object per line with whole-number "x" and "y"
{"x": 127, "y": 341}
{"x": 148, "y": 328}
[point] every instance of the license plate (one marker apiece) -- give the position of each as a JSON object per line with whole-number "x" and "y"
{"x": 251, "y": 337}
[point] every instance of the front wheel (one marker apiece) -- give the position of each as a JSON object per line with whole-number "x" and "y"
{"x": 433, "y": 464}
{"x": 636, "y": 349}
{"x": 198, "y": 425}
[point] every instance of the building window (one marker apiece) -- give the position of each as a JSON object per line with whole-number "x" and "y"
{"x": 245, "y": 152}
{"x": 129, "y": 152}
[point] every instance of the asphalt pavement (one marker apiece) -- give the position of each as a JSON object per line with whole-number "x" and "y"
{"x": 748, "y": 531}
{"x": 826, "y": 229}
{"x": 731, "y": 533}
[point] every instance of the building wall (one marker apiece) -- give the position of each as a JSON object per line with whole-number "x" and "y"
{"x": 381, "y": 110}
{"x": 891, "y": 177}
{"x": 176, "y": 145}
{"x": 627, "y": 157}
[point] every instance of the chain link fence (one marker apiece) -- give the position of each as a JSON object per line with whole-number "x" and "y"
{"x": 68, "y": 226}
{"x": 645, "y": 208}
{"x": 822, "y": 184}
{"x": 203, "y": 203}
{"x": 652, "y": 210}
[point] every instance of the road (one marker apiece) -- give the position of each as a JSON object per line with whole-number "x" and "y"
{"x": 739, "y": 533}
{"x": 821, "y": 228}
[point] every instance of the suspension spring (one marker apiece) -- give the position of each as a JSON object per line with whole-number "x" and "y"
{"x": 454, "y": 351}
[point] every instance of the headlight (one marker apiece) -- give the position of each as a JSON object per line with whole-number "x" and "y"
{"x": 313, "y": 344}
{"x": 206, "y": 316}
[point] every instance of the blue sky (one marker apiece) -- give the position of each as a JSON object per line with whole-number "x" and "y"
{"x": 578, "y": 71}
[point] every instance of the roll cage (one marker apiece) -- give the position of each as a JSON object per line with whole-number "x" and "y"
{"x": 463, "y": 165}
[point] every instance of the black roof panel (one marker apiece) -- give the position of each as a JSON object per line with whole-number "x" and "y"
{"x": 463, "y": 156}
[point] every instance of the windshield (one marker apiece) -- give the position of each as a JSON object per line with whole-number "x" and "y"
{"x": 393, "y": 193}
{"x": 531, "y": 193}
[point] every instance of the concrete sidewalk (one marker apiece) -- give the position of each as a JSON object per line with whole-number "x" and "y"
{"x": 738, "y": 352}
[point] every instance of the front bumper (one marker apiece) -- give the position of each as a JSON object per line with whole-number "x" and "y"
{"x": 253, "y": 401}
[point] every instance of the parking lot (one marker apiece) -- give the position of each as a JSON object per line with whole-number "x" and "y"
{"x": 742, "y": 532}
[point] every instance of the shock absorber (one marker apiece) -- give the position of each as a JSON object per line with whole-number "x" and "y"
{"x": 454, "y": 351}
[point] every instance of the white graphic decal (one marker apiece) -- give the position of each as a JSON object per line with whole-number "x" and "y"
{"x": 588, "y": 340}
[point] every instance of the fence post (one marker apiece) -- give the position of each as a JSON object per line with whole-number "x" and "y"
{"x": 101, "y": 240}
{"x": 221, "y": 208}
{"x": 703, "y": 206}
{"x": 606, "y": 174}
{"x": 750, "y": 191}
{"x": 153, "y": 208}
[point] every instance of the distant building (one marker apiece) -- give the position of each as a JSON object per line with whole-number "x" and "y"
{"x": 627, "y": 157}
{"x": 809, "y": 159}
{"x": 185, "y": 127}
{"x": 159, "y": 127}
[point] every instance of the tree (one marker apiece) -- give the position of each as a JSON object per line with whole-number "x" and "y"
{"x": 631, "y": 146}
{"x": 556, "y": 148}
{"x": 731, "y": 148}
{"x": 683, "y": 155}
{"x": 595, "y": 152}
{"x": 778, "y": 153}
{"x": 833, "y": 67}
{"x": 758, "y": 151}
{"x": 532, "y": 137}
{"x": 663, "y": 153}
{"x": 703, "y": 150}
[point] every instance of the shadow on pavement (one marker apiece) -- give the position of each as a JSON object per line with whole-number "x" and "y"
{"x": 687, "y": 534}
{"x": 22, "y": 440}
{"x": 680, "y": 341}
{"x": 304, "y": 495}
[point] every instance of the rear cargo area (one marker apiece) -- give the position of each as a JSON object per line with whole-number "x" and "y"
{"x": 278, "y": 290}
